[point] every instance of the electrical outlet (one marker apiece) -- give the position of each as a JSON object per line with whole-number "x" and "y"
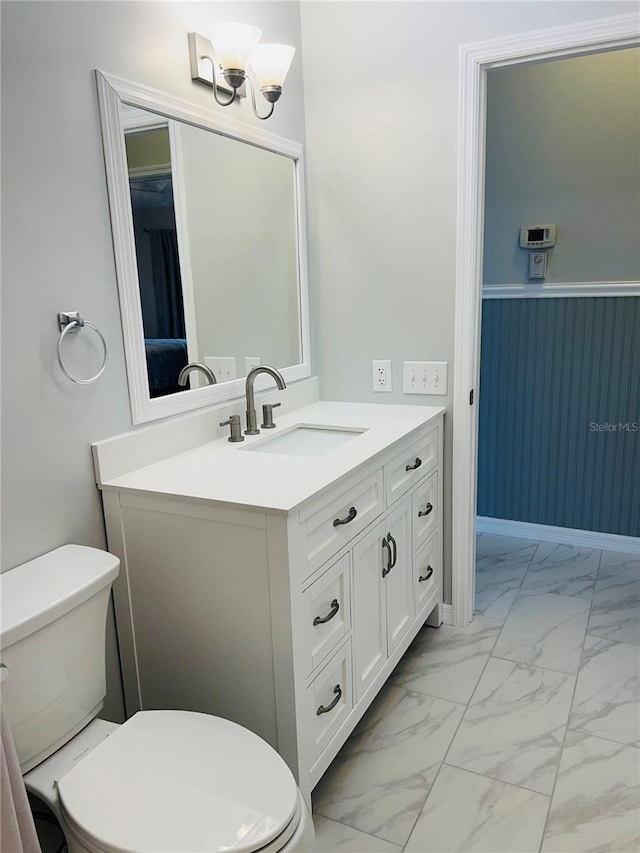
{"x": 381, "y": 375}
{"x": 251, "y": 361}
{"x": 224, "y": 367}
{"x": 424, "y": 377}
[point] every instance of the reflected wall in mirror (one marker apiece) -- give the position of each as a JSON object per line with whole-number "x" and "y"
{"x": 209, "y": 238}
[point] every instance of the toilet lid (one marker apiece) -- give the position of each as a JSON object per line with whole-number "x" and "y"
{"x": 168, "y": 781}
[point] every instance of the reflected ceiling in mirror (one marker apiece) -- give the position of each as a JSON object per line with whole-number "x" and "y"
{"x": 209, "y": 243}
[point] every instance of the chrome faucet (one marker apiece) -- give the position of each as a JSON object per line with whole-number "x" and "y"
{"x": 252, "y": 421}
{"x": 186, "y": 370}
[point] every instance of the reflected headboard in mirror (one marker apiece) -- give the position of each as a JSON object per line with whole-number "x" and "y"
{"x": 208, "y": 223}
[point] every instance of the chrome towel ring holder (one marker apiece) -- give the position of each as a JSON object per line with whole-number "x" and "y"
{"x": 72, "y": 322}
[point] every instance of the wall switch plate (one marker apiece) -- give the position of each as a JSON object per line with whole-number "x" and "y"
{"x": 381, "y": 375}
{"x": 250, "y": 362}
{"x": 424, "y": 377}
{"x": 224, "y": 367}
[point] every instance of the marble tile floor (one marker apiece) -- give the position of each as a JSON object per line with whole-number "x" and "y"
{"x": 517, "y": 734}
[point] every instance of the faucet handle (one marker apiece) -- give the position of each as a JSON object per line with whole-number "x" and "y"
{"x": 267, "y": 415}
{"x": 236, "y": 428}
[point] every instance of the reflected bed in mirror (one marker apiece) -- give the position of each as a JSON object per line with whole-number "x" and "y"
{"x": 209, "y": 236}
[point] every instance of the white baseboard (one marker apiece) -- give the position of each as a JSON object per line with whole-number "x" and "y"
{"x": 446, "y": 614}
{"x": 562, "y": 535}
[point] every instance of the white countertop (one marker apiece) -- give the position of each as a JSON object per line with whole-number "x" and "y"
{"x": 225, "y": 473}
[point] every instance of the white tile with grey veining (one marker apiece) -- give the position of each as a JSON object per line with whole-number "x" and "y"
{"x": 614, "y": 560}
{"x": 497, "y": 585}
{"x": 563, "y": 570}
{"x": 546, "y": 631}
{"x": 447, "y": 662}
{"x": 615, "y": 614}
{"x": 514, "y": 727}
{"x": 332, "y": 836}
{"x": 381, "y": 777}
{"x": 469, "y": 813}
{"x": 596, "y": 802}
{"x": 506, "y": 547}
{"x": 607, "y": 698}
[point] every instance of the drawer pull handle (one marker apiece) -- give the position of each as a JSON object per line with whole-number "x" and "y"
{"x": 427, "y": 576}
{"x": 386, "y": 569}
{"x": 426, "y": 511}
{"x": 352, "y": 514}
{"x": 415, "y": 465}
{"x": 322, "y": 710}
{"x": 395, "y": 550}
{"x": 320, "y": 620}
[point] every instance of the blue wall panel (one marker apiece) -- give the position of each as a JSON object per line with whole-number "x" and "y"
{"x": 558, "y": 378}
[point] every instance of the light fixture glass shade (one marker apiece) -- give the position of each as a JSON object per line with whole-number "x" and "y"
{"x": 270, "y": 63}
{"x": 234, "y": 43}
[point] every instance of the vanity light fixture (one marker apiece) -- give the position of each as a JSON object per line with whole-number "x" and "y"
{"x": 233, "y": 48}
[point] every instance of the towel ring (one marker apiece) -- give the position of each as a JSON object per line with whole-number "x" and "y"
{"x": 71, "y": 321}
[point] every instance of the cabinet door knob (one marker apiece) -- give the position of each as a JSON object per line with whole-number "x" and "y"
{"x": 415, "y": 465}
{"x": 386, "y": 569}
{"x": 322, "y": 710}
{"x": 427, "y": 576}
{"x": 335, "y": 606}
{"x": 395, "y": 550}
{"x": 425, "y": 511}
{"x": 352, "y": 514}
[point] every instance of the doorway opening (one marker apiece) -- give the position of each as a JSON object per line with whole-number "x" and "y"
{"x": 476, "y": 62}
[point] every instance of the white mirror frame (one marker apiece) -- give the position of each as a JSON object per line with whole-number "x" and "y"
{"x": 112, "y": 92}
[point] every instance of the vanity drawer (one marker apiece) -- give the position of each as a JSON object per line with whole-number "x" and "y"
{"x": 328, "y": 612}
{"x": 330, "y": 699}
{"x": 427, "y": 573}
{"x": 425, "y": 510}
{"x": 408, "y": 467}
{"x": 331, "y": 521}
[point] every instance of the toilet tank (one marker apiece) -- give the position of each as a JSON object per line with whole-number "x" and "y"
{"x": 52, "y": 640}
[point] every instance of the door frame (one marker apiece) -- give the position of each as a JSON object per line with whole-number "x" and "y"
{"x": 475, "y": 60}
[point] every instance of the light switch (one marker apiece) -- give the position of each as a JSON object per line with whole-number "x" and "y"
{"x": 424, "y": 377}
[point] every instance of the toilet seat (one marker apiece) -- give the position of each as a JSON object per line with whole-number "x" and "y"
{"x": 169, "y": 781}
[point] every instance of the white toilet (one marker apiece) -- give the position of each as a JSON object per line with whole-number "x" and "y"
{"x": 164, "y": 781}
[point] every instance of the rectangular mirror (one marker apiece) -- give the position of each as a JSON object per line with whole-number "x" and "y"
{"x": 209, "y": 237}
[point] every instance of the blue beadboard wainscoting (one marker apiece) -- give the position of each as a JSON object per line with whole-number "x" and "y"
{"x": 559, "y": 440}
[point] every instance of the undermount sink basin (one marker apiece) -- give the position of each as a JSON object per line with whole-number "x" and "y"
{"x": 306, "y": 440}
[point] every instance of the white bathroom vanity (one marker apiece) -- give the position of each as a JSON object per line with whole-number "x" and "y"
{"x": 277, "y": 581}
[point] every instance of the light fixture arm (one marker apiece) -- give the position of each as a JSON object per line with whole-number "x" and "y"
{"x": 253, "y": 102}
{"x": 215, "y": 84}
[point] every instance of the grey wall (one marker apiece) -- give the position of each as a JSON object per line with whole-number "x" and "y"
{"x": 57, "y": 249}
{"x": 382, "y": 186}
{"x": 382, "y": 180}
{"x": 563, "y": 147}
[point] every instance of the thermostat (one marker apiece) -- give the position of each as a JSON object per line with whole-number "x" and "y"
{"x": 537, "y": 236}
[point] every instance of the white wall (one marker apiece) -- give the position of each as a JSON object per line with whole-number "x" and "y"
{"x": 563, "y": 147}
{"x": 57, "y": 249}
{"x": 381, "y": 105}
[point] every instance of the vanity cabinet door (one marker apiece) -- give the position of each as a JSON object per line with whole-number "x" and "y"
{"x": 407, "y": 468}
{"x": 328, "y": 613}
{"x": 427, "y": 575}
{"x": 399, "y": 580}
{"x": 426, "y": 511}
{"x": 369, "y": 609}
